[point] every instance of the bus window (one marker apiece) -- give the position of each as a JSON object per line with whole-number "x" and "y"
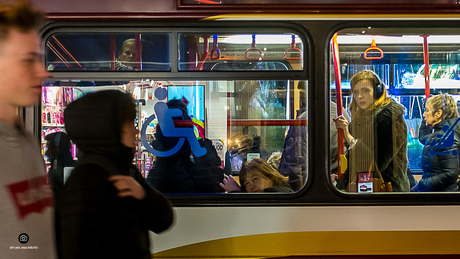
{"x": 108, "y": 52}
{"x": 218, "y": 126}
{"x": 240, "y": 52}
{"x": 399, "y": 86}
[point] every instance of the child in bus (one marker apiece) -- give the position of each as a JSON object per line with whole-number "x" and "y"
{"x": 104, "y": 206}
{"x": 377, "y": 132}
{"x": 440, "y": 133}
{"x": 257, "y": 176}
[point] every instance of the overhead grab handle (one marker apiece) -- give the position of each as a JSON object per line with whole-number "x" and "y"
{"x": 215, "y": 49}
{"x": 253, "y": 49}
{"x": 293, "y": 50}
{"x": 373, "y": 47}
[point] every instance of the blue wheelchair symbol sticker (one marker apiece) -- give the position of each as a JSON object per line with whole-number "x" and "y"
{"x": 166, "y": 124}
{"x": 446, "y": 141}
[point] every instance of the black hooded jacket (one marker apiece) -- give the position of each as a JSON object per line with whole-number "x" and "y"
{"x": 177, "y": 173}
{"x": 93, "y": 222}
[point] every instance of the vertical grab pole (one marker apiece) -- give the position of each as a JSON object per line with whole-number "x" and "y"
{"x": 113, "y": 51}
{"x": 342, "y": 164}
{"x": 137, "y": 41}
{"x": 426, "y": 60}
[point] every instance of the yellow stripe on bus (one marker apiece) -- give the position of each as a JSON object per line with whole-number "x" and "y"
{"x": 322, "y": 243}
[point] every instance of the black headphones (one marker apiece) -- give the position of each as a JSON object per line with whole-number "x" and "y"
{"x": 378, "y": 90}
{"x": 378, "y": 87}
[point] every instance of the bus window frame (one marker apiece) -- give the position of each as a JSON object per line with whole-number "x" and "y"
{"x": 402, "y": 198}
{"x": 175, "y": 75}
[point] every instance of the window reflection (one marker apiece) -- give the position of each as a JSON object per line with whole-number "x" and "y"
{"x": 108, "y": 52}
{"x": 240, "y": 52}
{"x": 232, "y": 122}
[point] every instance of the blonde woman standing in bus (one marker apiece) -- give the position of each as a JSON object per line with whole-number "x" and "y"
{"x": 377, "y": 132}
{"x": 440, "y": 133}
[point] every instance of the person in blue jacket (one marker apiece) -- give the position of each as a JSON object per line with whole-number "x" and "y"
{"x": 440, "y": 133}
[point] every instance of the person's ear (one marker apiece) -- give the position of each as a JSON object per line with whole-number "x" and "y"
{"x": 438, "y": 114}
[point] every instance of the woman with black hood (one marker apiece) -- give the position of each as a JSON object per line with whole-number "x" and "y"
{"x": 106, "y": 209}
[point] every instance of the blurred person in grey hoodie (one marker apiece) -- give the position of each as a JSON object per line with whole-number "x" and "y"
{"x": 25, "y": 196}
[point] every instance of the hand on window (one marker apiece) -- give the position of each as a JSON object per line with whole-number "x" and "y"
{"x": 230, "y": 184}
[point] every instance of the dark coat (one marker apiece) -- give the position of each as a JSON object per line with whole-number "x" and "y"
{"x": 93, "y": 222}
{"x": 59, "y": 154}
{"x": 440, "y": 168}
{"x": 286, "y": 188}
{"x": 381, "y": 135}
{"x": 177, "y": 173}
{"x": 293, "y": 162}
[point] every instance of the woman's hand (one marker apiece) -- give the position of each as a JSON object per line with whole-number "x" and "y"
{"x": 127, "y": 186}
{"x": 342, "y": 123}
{"x": 230, "y": 184}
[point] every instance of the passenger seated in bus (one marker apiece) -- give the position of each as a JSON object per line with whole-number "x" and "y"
{"x": 377, "y": 132}
{"x": 208, "y": 172}
{"x": 257, "y": 176}
{"x": 127, "y": 56}
{"x": 440, "y": 135}
{"x": 177, "y": 173}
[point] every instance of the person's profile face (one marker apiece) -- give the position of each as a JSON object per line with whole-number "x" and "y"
{"x": 363, "y": 93}
{"x": 129, "y": 134}
{"x": 22, "y": 69}
{"x": 127, "y": 55}
{"x": 431, "y": 118}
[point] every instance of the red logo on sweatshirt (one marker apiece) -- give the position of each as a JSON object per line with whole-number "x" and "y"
{"x": 32, "y": 195}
